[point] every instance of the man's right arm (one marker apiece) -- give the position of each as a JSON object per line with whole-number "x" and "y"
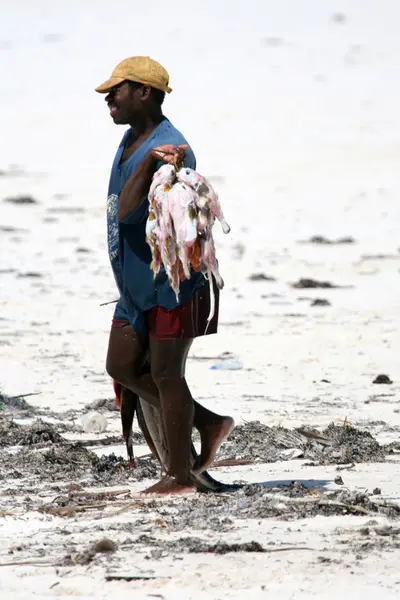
{"x": 136, "y": 188}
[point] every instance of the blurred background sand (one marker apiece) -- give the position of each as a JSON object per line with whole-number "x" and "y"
{"x": 292, "y": 110}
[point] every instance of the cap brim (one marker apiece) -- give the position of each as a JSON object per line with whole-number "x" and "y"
{"x": 109, "y": 84}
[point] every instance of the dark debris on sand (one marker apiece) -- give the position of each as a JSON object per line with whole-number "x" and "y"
{"x": 195, "y": 545}
{"x": 15, "y": 403}
{"x": 337, "y": 444}
{"x": 262, "y": 501}
{"x": 382, "y": 379}
{"x": 103, "y": 405}
{"x": 281, "y": 503}
{"x": 20, "y": 200}
{"x": 39, "y": 434}
{"x": 38, "y": 453}
{"x": 306, "y": 283}
{"x": 320, "y": 302}
{"x": 261, "y": 277}
{"x": 72, "y": 462}
{"x": 220, "y": 514}
{"x": 322, "y": 240}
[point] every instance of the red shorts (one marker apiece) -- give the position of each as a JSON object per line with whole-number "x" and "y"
{"x": 187, "y": 321}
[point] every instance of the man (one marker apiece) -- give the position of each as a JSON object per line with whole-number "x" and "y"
{"x": 148, "y": 321}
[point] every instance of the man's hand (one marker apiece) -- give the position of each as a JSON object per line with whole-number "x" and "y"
{"x": 171, "y": 154}
{"x": 138, "y": 184}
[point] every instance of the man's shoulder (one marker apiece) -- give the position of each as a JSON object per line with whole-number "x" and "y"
{"x": 169, "y": 134}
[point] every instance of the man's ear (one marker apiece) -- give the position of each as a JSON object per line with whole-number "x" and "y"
{"x": 145, "y": 92}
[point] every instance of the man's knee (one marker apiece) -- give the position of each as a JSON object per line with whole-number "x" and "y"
{"x": 160, "y": 373}
{"x": 168, "y": 363}
{"x": 112, "y": 368}
{"x": 126, "y": 355}
{"x": 122, "y": 371}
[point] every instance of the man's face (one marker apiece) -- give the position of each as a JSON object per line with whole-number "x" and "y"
{"x": 124, "y": 103}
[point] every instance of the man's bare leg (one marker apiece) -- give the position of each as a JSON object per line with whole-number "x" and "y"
{"x": 213, "y": 430}
{"x": 167, "y": 363}
{"x": 127, "y": 354}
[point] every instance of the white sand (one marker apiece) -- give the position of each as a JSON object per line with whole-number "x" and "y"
{"x": 298, "y": 114}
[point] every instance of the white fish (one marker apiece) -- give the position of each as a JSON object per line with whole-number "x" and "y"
{"x": 210, "y": 260}
{"x": 165, "y": 175}
{"x": 162, "y": 181}
{"x": 157, "y": 222}
{"x": 183, "y": 209}
{"x": 206, "y": 194}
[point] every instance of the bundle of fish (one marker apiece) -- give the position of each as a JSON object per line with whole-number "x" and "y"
{"x": 183, "y": 207}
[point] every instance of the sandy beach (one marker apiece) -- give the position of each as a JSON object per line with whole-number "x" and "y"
{"x": 292, "y": 111}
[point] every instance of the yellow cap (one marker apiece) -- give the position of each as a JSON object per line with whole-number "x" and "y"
{"x": 141, "y": 69}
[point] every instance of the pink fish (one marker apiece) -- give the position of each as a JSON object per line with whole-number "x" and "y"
{"x": 162, "y": 181}
{"x": 164, "y": 176}
{"x": 183, "y": 209}
{"x": 210, "y": 259}
{"x": 210, "y": 269}
{"x": 159, "y": 225}
{"x": 207, "y": 198}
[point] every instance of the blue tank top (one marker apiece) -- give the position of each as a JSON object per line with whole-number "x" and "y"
{"x": 129, "y": 253}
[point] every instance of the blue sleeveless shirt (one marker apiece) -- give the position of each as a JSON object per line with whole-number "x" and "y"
{"x": 129, "y": 253}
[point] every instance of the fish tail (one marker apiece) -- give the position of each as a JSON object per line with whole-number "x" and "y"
{"x": 117, "y": 390}
{"x": 212, "y": 299}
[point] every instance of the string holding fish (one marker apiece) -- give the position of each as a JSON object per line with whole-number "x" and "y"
{"x": 183, "y": 207}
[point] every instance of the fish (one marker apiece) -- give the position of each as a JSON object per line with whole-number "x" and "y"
{"x": 207, "y": 196}
{"x": 183, "y": 207}
{"x": 164, "y": 176}
{"x": 158, "y": 224}
{"x": 210, "y": 259}
{"x": 128, "y": 405}
{"x": 210, "y": 269}
{"x": 151, "y": 425}
{"x": 182, "y": 210}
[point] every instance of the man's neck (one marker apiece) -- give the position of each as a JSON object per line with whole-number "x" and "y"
{"x": 144, "y": 126}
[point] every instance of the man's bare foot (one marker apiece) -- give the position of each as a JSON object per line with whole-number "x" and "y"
{"x": 211, "y": 439}
{"x": 169, "y": 485}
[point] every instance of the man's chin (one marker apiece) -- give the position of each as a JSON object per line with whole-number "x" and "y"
{"x": 118, "y": 120}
